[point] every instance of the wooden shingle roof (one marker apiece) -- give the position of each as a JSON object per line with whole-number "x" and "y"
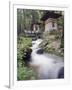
{"x": 50, "y": 14}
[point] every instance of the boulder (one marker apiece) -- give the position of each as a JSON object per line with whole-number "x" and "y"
{"x": 61, "y": 73}
{"x": 39, "y": 51}
{"x": 27, "y": 56}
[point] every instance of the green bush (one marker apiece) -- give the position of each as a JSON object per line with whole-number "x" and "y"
{"x": 23, "y": 72}
{"x": 22, "y": 44}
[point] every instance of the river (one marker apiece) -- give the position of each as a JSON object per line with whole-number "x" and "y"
{"x": 46, "y": 66}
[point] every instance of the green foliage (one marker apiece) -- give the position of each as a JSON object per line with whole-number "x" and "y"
{"x": 26, "y": 17}
{"x": 61, "y": 21}
{"x": 23, "y": 44}
{"x": 62, "y": 44}
{"x": 23, "y": 72}
{"x": 54, "y": 32}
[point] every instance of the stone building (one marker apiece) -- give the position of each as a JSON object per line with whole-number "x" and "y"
{"x": 50, "y": 20}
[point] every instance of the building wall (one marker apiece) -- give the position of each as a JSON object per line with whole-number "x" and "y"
{"x": 35, "y": 27}
{"x": 49, "y": 26}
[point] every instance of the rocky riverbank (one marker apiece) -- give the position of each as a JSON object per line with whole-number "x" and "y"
{"x": 52, "y": 43}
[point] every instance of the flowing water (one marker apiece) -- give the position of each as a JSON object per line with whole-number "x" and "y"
{"x": 46, "y": 66}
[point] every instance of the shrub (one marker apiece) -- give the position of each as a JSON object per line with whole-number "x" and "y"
{"x": 23, "y": 72}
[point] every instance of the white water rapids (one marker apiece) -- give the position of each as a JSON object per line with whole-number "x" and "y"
{"x": 46, "y": 66}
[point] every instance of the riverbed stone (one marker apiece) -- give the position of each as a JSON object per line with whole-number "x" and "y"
{"x": 61, "y": 73}
{"x": 27, "y": 55}
{"x": 39, "y": 51}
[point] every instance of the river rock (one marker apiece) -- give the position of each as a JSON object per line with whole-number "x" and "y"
{"x": 61, "y": 73}
{"x": 39, "y": 51}
{"x": 27, "y": 56}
